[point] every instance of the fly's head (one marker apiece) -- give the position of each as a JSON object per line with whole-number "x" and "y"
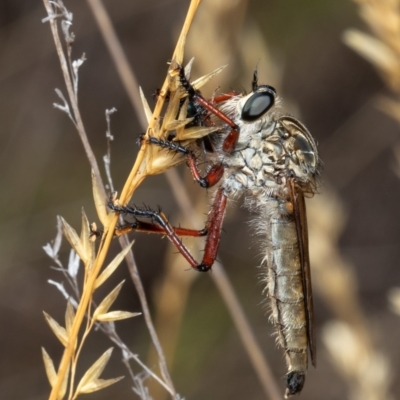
{"x": 257, "y": 104}
{"x": 253, "y": 113}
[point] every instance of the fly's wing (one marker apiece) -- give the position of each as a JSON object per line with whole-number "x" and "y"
{"x": 299, "y": 212}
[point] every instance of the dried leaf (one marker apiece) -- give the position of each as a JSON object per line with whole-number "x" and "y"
{"x": 74, "y": 240}
{"x": 116, "y": 316}
{"x": 162, "y": 160}
{"x": 69, "y": 317}
{"x": 172, "y": 109}
{"x": 195, "y": 132}
{"x": 198, "y": 83}
{"x": 188, "y": 68}
{"x": 147, "y": 111}
{"x": 49, "y": 367}
{"x": 87, "y": 244}
{"x": 176, "y": 124}
{"x": 89, "y": 379}
{"x": 57, "y": 329}
{"x": 100, "y": 201}
{"x": 99, "y": 384}
{"x": 112, "y": 266}
{"x": 104, "y": 306}
{"x": 52, "y": 374}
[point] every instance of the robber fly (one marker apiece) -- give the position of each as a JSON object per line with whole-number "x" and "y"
{"x": 271, "y": 160}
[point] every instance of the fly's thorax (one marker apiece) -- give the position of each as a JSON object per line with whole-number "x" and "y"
{"x": 302, "y": 160}
{"x": 268, "y": 157}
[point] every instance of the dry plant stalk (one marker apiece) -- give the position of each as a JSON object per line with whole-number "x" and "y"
{"x": 150, "y": 161}
{"x": 219, "y": 277}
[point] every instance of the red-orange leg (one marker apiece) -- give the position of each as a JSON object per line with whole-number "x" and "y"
{"x": 233, "y": 136}
{"x": 214, "y": 227}
{"x": 162, "y": 226}
{"x": 212, "y": 177}
{"x": 147, "y": 227}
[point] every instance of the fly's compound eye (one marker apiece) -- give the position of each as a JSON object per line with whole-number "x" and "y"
{"x": 258, "y": 103}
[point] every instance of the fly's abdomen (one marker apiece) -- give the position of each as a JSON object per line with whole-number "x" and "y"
{"x": 285, "y": 290}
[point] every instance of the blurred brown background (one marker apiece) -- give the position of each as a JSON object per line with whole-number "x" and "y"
{"x": 297, "y": 45}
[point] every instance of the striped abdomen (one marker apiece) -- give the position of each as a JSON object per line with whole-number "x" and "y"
{"x": 286, "y": 293}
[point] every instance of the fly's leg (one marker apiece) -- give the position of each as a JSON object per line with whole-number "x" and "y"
{"x": 233, "y": 136}
{"x": 148, "y": 227}
{"x": 141, "y": 226}
{"x": 161, "y": 225}
{"x": 211, "y": 178}
{"x": 214, "y": 228}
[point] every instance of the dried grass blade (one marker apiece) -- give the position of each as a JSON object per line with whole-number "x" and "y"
{"x": 147, "y": 110}
{"x": 49, "y": 367}
{"x": 52, "y": 374}
{"x": 57, "y": 329}
{"x": 195, "y": 132}
{"x": 173, "y": 108}
{"x": 199, "y": 82}
{"x": 89, "y": 381}
{"x": 116, "y": 316}
{"x": 176, "y": 124}
{"x": 74, "y": 240}
{"x": 104, "y": 306}
{"x": 69, "y": 317}
{"x": 188, "y": 68}
{"x": 99, "y": 384}
{"x": 112, "y": 266}
{"x": 87, "y": 244}
{"x": 100, "y": 201}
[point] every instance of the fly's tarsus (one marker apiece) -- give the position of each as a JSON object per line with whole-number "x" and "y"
{"x": 166, "y": 144}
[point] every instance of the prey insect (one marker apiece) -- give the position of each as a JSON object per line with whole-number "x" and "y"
{"x": 271, "y": 160}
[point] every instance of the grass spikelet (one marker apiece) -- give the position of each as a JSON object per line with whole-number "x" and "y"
{"x": 100, "y": 201}
{"x": 49, "y": 367}
{"x": 74, "y": 240}
{"x": 57, "y": 329}
{"x": 90, "y": 381}
{"x": 52, "y": 374}
{"x": 107, "y": 301}
{"x": 107, "y": 272}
